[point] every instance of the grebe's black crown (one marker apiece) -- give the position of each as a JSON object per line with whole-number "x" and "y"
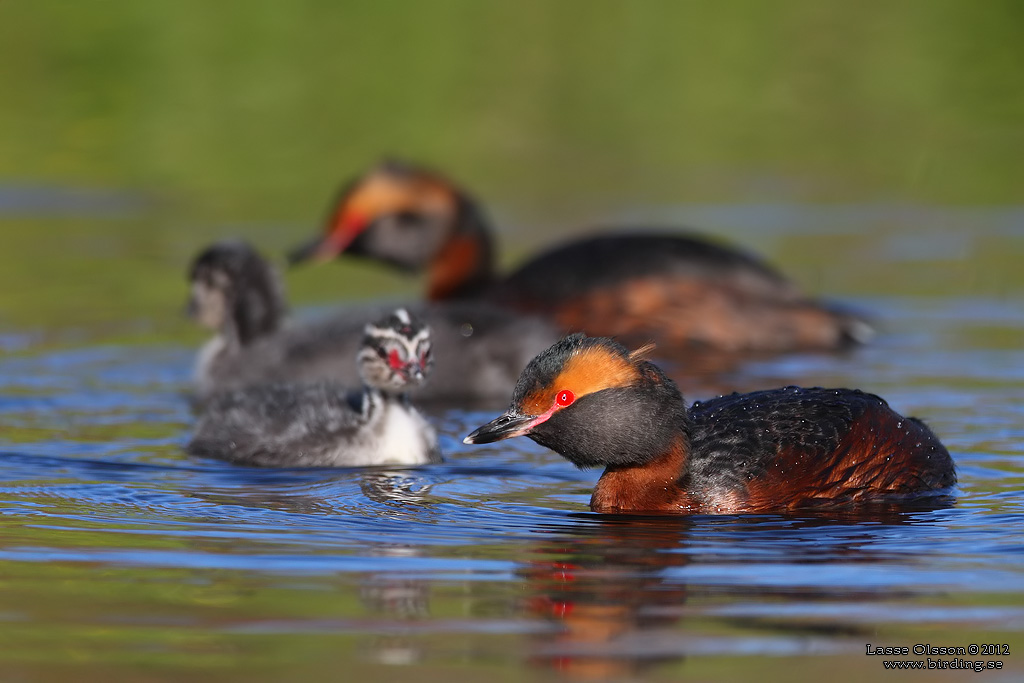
{"x": 402, "y": 168}
{"x": 234, "y": 258}
{"x": 398, "y": 323}
{"x": 545, "y": 367}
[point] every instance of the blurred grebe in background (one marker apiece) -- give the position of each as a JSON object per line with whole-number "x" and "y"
{"x": 681, "y": 290}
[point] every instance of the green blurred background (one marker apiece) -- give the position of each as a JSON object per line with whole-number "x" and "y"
{"x": 133, "y": 132}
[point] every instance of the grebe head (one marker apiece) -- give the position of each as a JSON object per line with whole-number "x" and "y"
{"x": 593, "y": 401}
{"x": 396, "y": 354}
{"x": 234, "y": 289}
{"x": 395, "y": 212}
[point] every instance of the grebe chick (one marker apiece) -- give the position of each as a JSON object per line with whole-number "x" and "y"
{"x": 236, "y": 293}
{"x": 595, "y": 403}
{"x": 480, "y": 348}
{"x": 681, "y": 290}
{"x": 325, "y": 425}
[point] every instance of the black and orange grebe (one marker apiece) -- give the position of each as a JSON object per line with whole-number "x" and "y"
{"x": 597, "y": 404}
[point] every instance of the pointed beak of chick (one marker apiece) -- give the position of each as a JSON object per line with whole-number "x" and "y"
{"x": 505, "y": 427}
{"x": 414, "y": 372}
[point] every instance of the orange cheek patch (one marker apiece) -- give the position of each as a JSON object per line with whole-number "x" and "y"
{"x": 380, "y": 194}
{"x": 586, "y": 372}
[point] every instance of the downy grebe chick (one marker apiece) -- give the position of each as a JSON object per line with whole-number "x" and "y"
{"x": 595, "y": 403}
{"x": 326, "y": 425}
{"x": 236, "y": 293}
{"x": 480, "y": 349}
{"x": 681, "y": 290}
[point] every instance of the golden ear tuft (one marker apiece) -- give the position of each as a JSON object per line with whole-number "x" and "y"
{"x": 641, "y": 353}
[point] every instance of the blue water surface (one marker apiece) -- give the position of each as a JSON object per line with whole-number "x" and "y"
{"x": 121, "y": 554}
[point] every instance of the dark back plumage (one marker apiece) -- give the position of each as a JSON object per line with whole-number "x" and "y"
{"x": 825, "y": 445}
{"x": 573, "y": 269}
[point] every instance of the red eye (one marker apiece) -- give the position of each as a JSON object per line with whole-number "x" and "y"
{"x": 394, "y": 360}
{"x": 565, "y": 398}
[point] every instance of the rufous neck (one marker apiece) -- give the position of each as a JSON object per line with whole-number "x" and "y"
{"x": 654, "y": 486}
{"x": 464, "y": 267}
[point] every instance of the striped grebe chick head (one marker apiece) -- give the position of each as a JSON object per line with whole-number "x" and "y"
{"x": 396, "y": 354}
